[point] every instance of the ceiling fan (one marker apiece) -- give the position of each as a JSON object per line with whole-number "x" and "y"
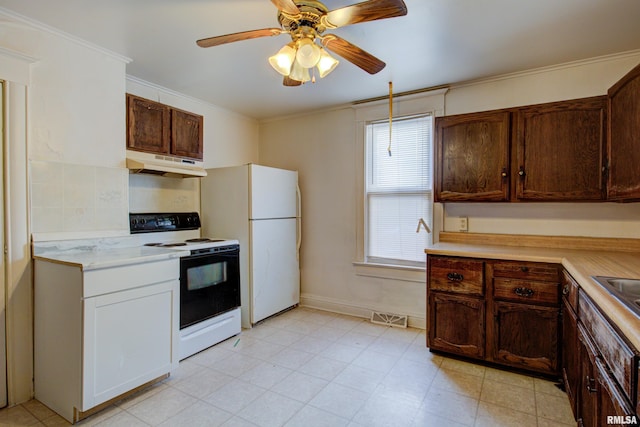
{"x": 306, "y": 21}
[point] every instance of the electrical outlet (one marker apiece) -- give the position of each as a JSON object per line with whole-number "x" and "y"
{"x": 464, "y": 224}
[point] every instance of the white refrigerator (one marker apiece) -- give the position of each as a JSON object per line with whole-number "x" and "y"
{"x": 260, "y": 207}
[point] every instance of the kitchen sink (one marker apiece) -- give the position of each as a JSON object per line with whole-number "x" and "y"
{"x": 626, "y": 291}
{"x": 629, "y": 287}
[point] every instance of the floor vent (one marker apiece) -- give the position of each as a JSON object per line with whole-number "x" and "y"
{"x": 388, "y": 319}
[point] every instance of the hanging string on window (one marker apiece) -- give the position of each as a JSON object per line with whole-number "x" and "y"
{"x": 390, "y": 115}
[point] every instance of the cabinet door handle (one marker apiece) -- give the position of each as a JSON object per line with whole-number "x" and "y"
{"x": 591, "y": 385}
{"x": 524, "y": 292}
{"x": 504, "y": 172}
{"x": 521, "y": 172}
{"x": 524, "y": 269}
{"x": 565, "y": 289}
{"x": 455, "y": 277}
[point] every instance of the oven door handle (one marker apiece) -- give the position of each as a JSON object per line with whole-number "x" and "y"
{"x": 299, "y": 221}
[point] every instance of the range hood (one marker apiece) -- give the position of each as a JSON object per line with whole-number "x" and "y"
{"x": 156, "y": 164}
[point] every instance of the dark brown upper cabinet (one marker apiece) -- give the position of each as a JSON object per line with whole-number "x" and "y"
{"x": 148, "y": 125}
{"x": 623, "y": 182}
{"x": 186, "y": 134}
{"x": 472, "y": 157}
{"x": 546, "y": 152}
{"x": 156, "y": 128}
{"x": 559, "y": 151}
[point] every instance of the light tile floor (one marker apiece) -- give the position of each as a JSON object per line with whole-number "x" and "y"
{"x": 311, "y": 368}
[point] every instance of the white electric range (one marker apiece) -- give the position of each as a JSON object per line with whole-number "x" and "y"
{"x": 209, "y": 277}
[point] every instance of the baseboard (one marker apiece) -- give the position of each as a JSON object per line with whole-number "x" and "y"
{"x": 333, "y": 305}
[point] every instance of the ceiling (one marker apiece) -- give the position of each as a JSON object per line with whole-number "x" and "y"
{"x": 438, "y": 42}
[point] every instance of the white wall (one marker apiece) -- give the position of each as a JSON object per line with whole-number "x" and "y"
{"x": 75, "y": 118}
{"x": 565, "y": 81}
{"x": 76, "y": 108}
{"x": 324, "y": 148}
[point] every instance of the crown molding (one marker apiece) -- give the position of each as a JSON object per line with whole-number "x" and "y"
{"x": 59, "y": 33}
{"x": 549, "y": 68}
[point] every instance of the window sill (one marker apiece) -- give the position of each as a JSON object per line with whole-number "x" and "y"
{"x": 389, "y": 271}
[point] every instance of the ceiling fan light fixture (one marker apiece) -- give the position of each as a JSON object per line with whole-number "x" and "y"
{"x": 284, "y": 59}
{"x": 308, "y": 53}
{"x": 305, "y": 21}
{"x": 326, "y": 63}
{"x": 299, "y": 73}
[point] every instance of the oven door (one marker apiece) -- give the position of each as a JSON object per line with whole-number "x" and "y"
{"x": 209, "y": 285}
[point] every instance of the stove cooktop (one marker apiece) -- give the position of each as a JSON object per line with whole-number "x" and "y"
{"x": 173, "y": 231}
{"x": 188, "y": 242}
{"x": 193, "y": 244}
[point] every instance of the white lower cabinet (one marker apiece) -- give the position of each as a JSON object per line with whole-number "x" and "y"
{"x": 103, "y": 332}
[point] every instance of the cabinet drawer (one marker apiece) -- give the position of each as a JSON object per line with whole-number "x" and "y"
{"x": 458, "y": 275}
{"x": 113, "y": 279}
{"x": 620, "y": 357}
{"x": 570, "y": 290}
{"x": 527, "y": 270}
{"x": 525, "y": 291}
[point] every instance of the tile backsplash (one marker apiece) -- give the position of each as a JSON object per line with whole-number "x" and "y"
{"x": 70, "y": 198}
{"x": 150, "y": 193}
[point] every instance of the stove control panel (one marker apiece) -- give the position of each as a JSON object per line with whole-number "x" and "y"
{"x": 153, "y": 222}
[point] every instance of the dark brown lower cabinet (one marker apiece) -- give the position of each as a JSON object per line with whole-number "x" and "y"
{"x": 507, "y": 312}
{"x": 511, "y": 313}
{"x": 456, "y": 324}
{"x": 588, "y": 387}
{"x": 601, "y": 402}
{"x": 613, "y": 408}
{"x": 525, "y": 336}
{"x": 570, "y": 354}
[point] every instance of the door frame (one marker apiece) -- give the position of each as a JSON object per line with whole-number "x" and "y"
{"x": 15, "y": 71}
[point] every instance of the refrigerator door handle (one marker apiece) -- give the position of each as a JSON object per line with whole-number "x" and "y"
{"x": 299, "y": 221}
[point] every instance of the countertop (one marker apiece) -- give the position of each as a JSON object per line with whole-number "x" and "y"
{"x": 91, "y": 257}
{"x": 581, "y": 264}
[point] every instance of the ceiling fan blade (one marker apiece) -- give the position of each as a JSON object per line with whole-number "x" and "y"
{"x": 288, "y": 81}
{"x": 353, "y": 53}
{"x": 235, "y": 37}
{"x": 286, "y": 6}
{"x": 366, "y": 11}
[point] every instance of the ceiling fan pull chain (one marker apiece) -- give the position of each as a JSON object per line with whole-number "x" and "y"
{"x": 390, "y": 115}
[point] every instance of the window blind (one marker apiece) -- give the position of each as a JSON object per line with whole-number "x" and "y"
{"x": 398, "y": 190}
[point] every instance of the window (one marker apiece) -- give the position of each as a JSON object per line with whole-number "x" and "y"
{"x": 398, "y": 190}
